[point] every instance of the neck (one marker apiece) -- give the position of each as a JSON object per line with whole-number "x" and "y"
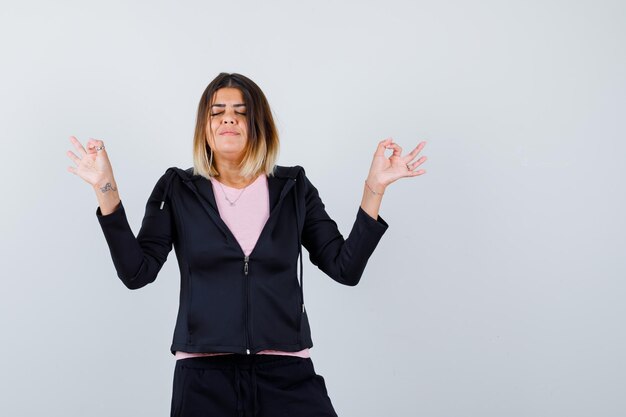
{"x": 230, "y": 174}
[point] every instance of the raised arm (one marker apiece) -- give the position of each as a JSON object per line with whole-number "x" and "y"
{"x": 344, "y": 260}
{"x": 138, "y": 259}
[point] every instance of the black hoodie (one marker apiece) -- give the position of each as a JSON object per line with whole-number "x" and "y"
{"x": 230, "y": 302}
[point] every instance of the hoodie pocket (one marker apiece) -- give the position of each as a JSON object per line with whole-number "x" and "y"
{"x": 190, "y": 318}
{"x": 299, "y": 321}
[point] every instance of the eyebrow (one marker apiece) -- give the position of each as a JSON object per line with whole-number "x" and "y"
{"x": 224, "y": 105}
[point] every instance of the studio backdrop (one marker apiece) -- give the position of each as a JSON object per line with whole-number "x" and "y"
{"x": 498, "y": 289}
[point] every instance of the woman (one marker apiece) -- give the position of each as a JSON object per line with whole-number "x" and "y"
{"x": 237, "y": 222}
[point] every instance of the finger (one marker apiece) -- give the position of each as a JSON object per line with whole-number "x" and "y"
{"x": 417, "y": 173}
{"x": 415, "y": 151}
{"x": 382, "y": 146}
{"x": 93, "y": 144}
{"x": 415, "y": 164}
{"x": 78, "y": 146}
{"x": 72, "y": 170}
{"x": 73, "y": 157}
{"x": 397, "y": 149}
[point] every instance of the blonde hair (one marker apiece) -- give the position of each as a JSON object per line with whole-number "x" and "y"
{"x": 263, "y": 145}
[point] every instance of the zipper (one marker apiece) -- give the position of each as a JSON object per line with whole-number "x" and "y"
{"x": 224, "y": 228}
{"x": 247, "y": 283}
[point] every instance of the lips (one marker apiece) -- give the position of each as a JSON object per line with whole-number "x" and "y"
{"x": 228, "y": 133}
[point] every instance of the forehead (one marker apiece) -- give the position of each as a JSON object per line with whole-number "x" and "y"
{"x": 228, "y": 95}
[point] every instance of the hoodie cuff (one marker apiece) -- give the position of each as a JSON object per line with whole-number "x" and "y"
{"x": 379, "y": 224}
{"x": 115, "y": 217}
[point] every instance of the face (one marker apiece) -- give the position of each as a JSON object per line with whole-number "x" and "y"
{"x": 227, "y": 127}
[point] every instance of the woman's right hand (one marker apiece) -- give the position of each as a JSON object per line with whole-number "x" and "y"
{"x": 92, "y": 165}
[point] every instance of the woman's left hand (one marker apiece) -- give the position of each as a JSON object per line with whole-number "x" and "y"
{"x": 384, "y": 171}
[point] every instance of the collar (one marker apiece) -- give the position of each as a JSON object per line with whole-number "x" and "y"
{"x": 276, "y": 181}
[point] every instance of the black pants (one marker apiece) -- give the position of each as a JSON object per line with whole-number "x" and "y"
{"x": 249, "y": 386}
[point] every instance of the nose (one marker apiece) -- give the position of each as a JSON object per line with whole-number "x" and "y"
{"x": 229, "y": 117}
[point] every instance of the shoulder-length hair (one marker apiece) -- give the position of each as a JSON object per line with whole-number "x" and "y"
{"x": 262, "y": 146}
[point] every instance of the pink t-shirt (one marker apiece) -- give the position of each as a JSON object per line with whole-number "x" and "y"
{"x": 245, "y": 219}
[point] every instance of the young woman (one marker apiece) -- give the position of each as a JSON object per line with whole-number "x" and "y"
{"x": 237, "y": 222}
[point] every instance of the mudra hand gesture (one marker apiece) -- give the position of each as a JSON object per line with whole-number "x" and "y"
{"x": 92, "y": 164}
{"x": 385, "y": 170}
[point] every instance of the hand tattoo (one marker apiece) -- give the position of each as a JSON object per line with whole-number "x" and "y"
{"x": 107, "y": 187}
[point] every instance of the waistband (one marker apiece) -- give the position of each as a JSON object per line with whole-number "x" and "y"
{"x": 239, "y": 361}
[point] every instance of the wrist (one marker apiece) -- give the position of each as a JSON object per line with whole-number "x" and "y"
{"x": 374, "y": 187}
{"x": 105, "y": 185}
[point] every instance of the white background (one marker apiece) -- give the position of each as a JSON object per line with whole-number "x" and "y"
{"x": 498, "y": 289}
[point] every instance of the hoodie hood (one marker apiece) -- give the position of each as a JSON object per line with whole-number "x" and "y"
{"x": 187, "y": 175}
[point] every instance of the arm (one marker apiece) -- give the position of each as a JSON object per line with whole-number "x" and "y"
{"x": 137, "y": 260}
{"x": 342, "y": 260}
{"x": 345, "y": 260}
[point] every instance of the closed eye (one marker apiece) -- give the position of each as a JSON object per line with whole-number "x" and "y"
{"x": 221, "y": 112}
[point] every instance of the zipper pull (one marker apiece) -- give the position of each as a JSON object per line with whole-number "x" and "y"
{"x": 247, "y": 351}
{"x": 245, "y": 265}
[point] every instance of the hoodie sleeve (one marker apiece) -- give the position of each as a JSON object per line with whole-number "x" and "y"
{"x": 139, "y": 259}
{"x": 344, "y": 260}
